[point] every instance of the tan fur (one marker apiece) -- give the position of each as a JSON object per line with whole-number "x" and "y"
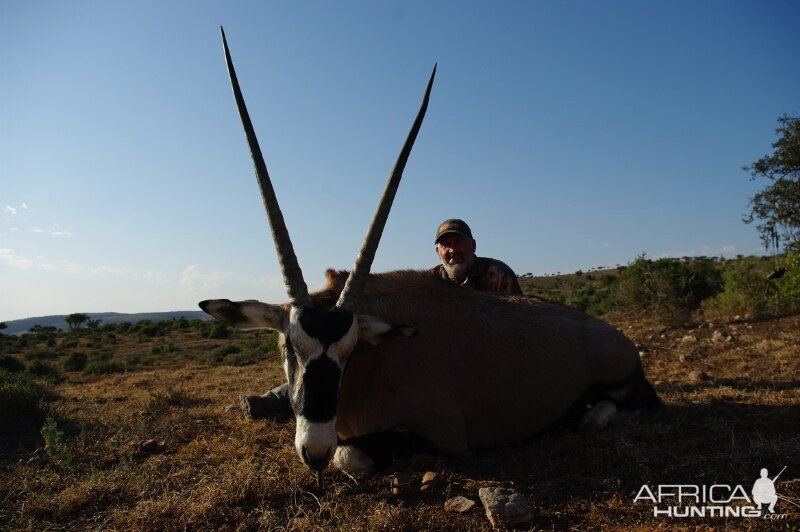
{"x": 483, "y": 370}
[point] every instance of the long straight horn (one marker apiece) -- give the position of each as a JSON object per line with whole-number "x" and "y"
{"x": 358, "y": 276}
{"x": 292, "y": 275}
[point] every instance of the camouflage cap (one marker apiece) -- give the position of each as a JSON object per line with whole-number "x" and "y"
{"x": 453, "y": 225}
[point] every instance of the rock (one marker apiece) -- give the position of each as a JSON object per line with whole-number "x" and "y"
{"x": 698, "y": 376}
{"x": 505, "y": 507}
{"x": 232, "y": 408}
{"x": 400, "y": 483}
{"x": 430, "y": 480}
{"x": 682, "y": 358}
{"x": 459, "y": 504}
{"x": 720, "y": 336}
{"x": 688, "y": 338}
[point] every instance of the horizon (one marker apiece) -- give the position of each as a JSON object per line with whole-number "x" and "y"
{"x": 569, "y": 135}
{"x": 524, "y": 276}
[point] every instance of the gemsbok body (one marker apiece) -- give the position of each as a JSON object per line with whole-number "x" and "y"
{"x": 407, "y": 351}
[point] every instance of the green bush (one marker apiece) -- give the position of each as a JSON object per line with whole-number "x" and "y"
{"x": 69, "y": 343}
{"x": 668, "y": 288}
{"x": 786, "y": 293}
{"x": 163, "y": 349}
{"x": 21, "y": 402}
{"x": 40, "y": 354}
{"x": 101, "y": 362}
{"x": 745, "y": 283}
{"x": 226, "y": 350}
{"x": 11, "y": 364}
{"x": 218, "y": 331}
{"x": 748, "y": 289}
{"x": 76, "y": 361}
{"x": 53, "y": 438}
{"x": 241, "y": 359}
{"x": 147, "y": 328}
{"x": 42, "y": 369}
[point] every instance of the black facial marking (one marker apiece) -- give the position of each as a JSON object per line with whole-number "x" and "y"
{"x": 327, "y": 326}
{"x": 316, "y": 398}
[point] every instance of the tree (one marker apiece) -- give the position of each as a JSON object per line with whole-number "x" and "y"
{"x": 74, "y": 321}
{"x": 777, "y": 208}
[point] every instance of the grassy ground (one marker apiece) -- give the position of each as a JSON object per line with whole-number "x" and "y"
{"x": 732, "y": 406}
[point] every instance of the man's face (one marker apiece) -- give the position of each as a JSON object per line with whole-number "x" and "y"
{"x": 456, "y": 251}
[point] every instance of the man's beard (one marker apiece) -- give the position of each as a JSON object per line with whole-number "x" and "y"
{"x": 457, "y": 272}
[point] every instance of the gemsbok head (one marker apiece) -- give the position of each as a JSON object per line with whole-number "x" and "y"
{"x": 316, "y": 341}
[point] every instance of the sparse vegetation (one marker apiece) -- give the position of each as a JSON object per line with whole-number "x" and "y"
{"x": 672, "y": 290}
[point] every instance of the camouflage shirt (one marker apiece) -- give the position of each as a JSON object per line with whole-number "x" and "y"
{"x": 487, "y": 275}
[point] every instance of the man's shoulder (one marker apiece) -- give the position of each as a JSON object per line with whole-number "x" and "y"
{"x": 486, "y": 263}
{"x": 496, "y": 276}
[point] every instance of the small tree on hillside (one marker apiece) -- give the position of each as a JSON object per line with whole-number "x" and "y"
{"x": 777, "y": 208}
{"x": 75, "y": 321}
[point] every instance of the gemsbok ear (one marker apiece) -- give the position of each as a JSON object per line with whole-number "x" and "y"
{"x": 376, "y": 331}
{"x": 247, "y": 314}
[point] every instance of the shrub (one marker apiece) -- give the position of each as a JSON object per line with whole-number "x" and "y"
{"x": 241, "y": 359}
{"x": 745, "y": 286}
{"x": 11, "y": 364}
{"x": 20, "y": 402}
{"x": 69, "y": 343}
{"x": 53, "y": 438}
{"x": 787, "y": 288}
{"x": 668, "y": 288}
{"x": 39, "y": 354}
{"x": 226, "y": 350}
{"x": 102, "y": 362}
{"x": 163, "y": 349}
{"x": 218, "y": 331}
{"x": 147, "y": 328}
{"x": 76, "y": 361}
{"x": 42, "y": 369}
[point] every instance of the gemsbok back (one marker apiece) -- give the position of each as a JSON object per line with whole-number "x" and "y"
{"x": 407, "y": 352}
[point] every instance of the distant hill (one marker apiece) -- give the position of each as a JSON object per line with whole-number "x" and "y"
{"x": 21, "y": 326}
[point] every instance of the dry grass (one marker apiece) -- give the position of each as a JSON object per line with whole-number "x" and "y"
{"x": 732, "y": 407}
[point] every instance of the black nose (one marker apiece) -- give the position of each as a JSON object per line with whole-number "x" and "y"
{"x": 316, "y": 462}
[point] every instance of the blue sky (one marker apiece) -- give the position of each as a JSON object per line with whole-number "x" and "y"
{"x": 568, "y": 134}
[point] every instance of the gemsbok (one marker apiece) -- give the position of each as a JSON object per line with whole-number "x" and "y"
{"x": 407, "y": 352}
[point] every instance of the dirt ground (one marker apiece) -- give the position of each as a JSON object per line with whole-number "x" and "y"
{"x": 731, "y": 393}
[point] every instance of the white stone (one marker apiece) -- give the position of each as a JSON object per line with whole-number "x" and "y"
{"x": 506, "y": 507}
{"x": 459, "y": 504}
